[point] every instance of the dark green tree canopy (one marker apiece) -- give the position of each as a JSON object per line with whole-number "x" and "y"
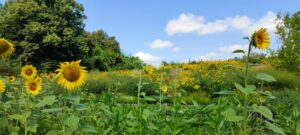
{"x": 289, "y": 34}
{"x": 45, "y": 32}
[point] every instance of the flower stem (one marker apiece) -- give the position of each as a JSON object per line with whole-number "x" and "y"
{"x": 245, "y": 84}
{"x": 160, "y": 89}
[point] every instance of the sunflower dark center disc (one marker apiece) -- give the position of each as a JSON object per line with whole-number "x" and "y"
{"x": 259, "y": 40}
{"x": 72, "y": 74}
{"x": 28, "y": 72}
{"x": 3, "y": 47}
{"x": 32, "y": 86}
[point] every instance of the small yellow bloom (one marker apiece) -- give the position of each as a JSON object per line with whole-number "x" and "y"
{"x": 39, "y": 79}
{"x": 51, "y": 76}
{"x": 164, "y": 88}
{"x": 11, "y": 78}
{"x": 149, "y": 69}
{"x": 2, "y": 86}
{"x": 261, "y": 39}
{"x": 28, "y": 71}
{"x": 6, "y": 48}
{"x": 196, "y": 87}
{"x": 33, "y": 86}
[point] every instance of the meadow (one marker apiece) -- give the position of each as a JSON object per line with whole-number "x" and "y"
{"x": 57, "y": 78}
{"x": 205, "y": 97}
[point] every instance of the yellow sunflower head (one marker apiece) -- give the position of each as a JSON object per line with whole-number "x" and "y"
{"x": 28, "y": 71}
{"x": 164, "y": 88}
{"x": 2, "y": 86}
{"x": 33, "y": 86}
{"x": 261, "y": 39}
{"x": 6, "y": 48}
{"x": 71, "y": 75}
{"x": 149, "y": 69}
{"x": 11, "y": 78}
{"x": 51, "y": 76}
{"x": 39, "y": 79}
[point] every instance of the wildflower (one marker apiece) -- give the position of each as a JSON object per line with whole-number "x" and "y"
{"x": 261, "y": 39}
{"x": 164, "y": 88}
{"x": 11, "y": 78}
{"x": 149, "y": 69}
{"x": 33, "y": 86}
{"x": 2, "y": 86}
{"x": 28, "y": 71}
{"x": 196, "y": 87}
{"x": 6, "y": 48}
{"x": 71, "y": 75}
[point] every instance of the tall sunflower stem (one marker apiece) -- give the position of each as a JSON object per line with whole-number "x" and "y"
{"x": 139, "y": 88}
{"x": 246, "y": 113}
{"x": 26, "y": 109}
{"x": 160, "y": 91}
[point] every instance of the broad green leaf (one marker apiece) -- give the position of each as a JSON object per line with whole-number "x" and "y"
{"x": 234, "y": 118}
{"x": 3, "y": 123}
{"x": 74, "y": 98}
{"x": 239, "y": 51}
{"x": 86, "y": 127}
{"x": 147, "y": 98}
{"x": 265, "y": 111}
{"x": 247, "y": 90}
{"x": 46, "y": 101}
{"x": 52, "y": 132}
{"x": 32, "y": 127}
{"x": 265, "y": 77}
{"x": 246, "y": 38}
{"x": 224, "y": 93}
{"x": 127, "y": 98}
{"x": 52, "y": 110}
{"x": 72, "y": 122}
{"x": 274, "y": 128}
{"x": 230, "y": 115}
{"x": 21, "y": 117}
{"x": 143, "y": 94}
{"x": 228, "y": 112}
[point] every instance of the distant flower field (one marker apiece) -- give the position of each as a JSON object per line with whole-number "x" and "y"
{"x": 206, "y": 97}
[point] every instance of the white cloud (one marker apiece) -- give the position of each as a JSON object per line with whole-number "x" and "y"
{"x": 190, "y": 23}
{"x": 175, "y": 49}
{"x": 267, "y": 21}
{"x": 160, "y": 44}
{"x": 148, "y": 58}
{"x": 231, "y": 48}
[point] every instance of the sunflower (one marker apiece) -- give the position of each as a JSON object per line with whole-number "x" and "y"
{"x": 71, "y": 75}
{"x": 261, "y": 39}
{"x": 164, "y": 88}
{"x": 6, "y": 48}
{"x": 33, "y": 86}
{"x": 39, "y": 79}
{"x": 28, "y": 71}
{"x": 11, "y": 78}
{"x": 149, "y": 69}
{"x": 2, "y": 86}
{"x": 51, "y": 76}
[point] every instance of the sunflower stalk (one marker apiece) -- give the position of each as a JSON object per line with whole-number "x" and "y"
{"x": 245, "y": 83}
{"x": 160, "y": 91}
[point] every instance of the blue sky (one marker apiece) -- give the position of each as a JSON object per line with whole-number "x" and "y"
{"x": 176, "y": 30}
